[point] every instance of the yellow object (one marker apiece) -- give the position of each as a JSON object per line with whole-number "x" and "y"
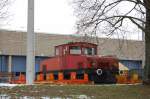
{"x": 121, "y": 79}
{"x": 135, "y": 78}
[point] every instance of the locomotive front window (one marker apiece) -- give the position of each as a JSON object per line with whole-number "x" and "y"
{"x": 89, "y": 51}
{"x": 75, "y": 50}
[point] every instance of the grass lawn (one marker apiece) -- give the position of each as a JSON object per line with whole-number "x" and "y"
{"x": 91, "y": 91}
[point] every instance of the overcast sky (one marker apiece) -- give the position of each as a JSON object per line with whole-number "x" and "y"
{"x": 51, "y": 16}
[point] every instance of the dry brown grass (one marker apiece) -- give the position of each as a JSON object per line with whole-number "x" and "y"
{"x": 93, "y": 91}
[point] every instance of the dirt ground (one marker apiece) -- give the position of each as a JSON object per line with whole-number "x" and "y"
{"x": 90, "y": 91}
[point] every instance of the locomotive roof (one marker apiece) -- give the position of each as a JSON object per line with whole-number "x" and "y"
{"x": 78, "y": 43}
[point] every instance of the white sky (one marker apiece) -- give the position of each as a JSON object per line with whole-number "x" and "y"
{"x": 51, "y": 16}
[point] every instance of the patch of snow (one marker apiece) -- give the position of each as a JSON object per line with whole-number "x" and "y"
{"x": 7, "y": 85}
{"x": 56, "y": 98}
{"x": 27, "y": 97}
{"x": 83, "y": 97}
{"x": 80, "y": 97}
{"x": 45, "y": 98}
{"x": 4, "y": 96}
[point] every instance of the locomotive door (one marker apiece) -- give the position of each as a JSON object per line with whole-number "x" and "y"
{"x": 44, "y": 69}
{"x": 64, "y": 50}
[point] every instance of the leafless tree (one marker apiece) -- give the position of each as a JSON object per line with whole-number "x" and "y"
{"x": 4, "y": 8}
{"x": 111, "y": 17}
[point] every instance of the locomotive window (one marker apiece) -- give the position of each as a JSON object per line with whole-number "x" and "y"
{"x": 89, "y": 51}
{"x": 57, "y": 51}
{"x": 65, "y": 50}
{"x": 75, "y": 50}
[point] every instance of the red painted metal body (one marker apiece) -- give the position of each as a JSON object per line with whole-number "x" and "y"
{"x": 69, "y": 62}
{"x": 78, "y": 56}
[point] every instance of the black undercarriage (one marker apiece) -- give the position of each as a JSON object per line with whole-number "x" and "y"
{"x": 98, "y": 76}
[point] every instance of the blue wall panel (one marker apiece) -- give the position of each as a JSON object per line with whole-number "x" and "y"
{"x": 38, "y": 59}
{"x": 18, "y": 64}
{"x": 132, "y": 64}
{"x": 3, "y": 63}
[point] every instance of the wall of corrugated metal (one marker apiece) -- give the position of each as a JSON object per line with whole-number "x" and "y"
{"x": 19, "y": 63}
{"x": 132, "y": 64}
{"x": 38, "y": 59}
{"x": 3, "y": 63}
{"x": 135, "y": 66}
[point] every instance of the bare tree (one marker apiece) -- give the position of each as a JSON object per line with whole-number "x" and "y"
{"x": 3, "y": 8}
{"x": 111, "y": 17}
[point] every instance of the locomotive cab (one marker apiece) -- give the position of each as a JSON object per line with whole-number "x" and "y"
{"x": 78, "y": 48}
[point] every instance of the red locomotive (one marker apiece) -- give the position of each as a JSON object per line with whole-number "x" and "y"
{"x": 81, "y": 57}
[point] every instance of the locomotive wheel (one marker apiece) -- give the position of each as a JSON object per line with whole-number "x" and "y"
{"x": 105, "y": 78}
{"x": 110, "y": 78}
{"x": 99, "y": 72}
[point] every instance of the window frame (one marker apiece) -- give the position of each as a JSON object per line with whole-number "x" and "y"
{"x": 75, "y": 53}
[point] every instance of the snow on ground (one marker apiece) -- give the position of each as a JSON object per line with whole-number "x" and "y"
{"x": 13, "y": 85}
{"x": 7, "y": 85}
{"x": 4, "y": 96}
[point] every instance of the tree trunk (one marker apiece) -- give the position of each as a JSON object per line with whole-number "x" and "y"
{"x": 147, "y": 46}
